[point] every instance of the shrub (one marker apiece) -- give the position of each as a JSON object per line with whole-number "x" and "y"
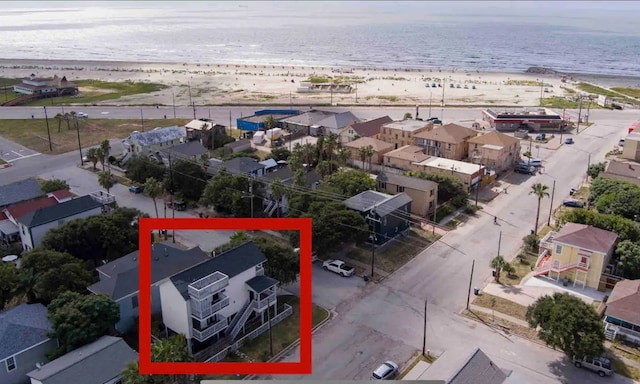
{"x": 531, "y": 243}
{"x": 460, "y": 200}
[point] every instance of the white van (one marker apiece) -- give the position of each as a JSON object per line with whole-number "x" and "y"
{"x": 621, "y": 142}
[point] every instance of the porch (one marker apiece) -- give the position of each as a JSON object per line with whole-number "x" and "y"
{"x": 620, "y": 329}
{"x": 588, "y": 294}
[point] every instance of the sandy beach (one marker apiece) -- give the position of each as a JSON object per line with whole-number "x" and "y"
{"x": 215, "y": 84}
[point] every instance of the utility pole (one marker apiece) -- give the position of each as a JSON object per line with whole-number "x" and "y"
{"x": 209, "y": 109}
{"x": 562, "y": 125}
{"x": 579, "y": 115}
{"x": 270, "y": 334}
{"x": 530, "y": 153}
{"x": 372, "y": 237}
{"x": 356, "y": 92}
{"x": 588, "y": 109}
{"x": 588, "y": 164}
{"x": 553, "y": 191}
{"x": 331, "y": 90}
{"x": 173, "y": 95}
{"x": 173, "y": 208}
{"x": 499, "y": 242}
{"x": 442, "y": 101}
{"x": 470, "y": 282}
{"x": 435, "y": 212}
{"x": 79, "y": 146}
{"x": 424, "y": 333}
{"x": 541, "y": 85}
{"x": 46, "y": 119}
{"x": 229, "y": 122}
{"x": 141, "y": 120}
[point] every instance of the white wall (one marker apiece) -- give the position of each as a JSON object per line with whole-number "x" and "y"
{"x": 25, "y": 237}
{"x": 175, "y": 310}
{"x": 238, "y": 292}
{"x": 37, "y": 233}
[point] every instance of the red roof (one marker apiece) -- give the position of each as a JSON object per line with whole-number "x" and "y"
{"x": 3, "y": 216}
{"x": 19, "y": 210}
{"x": 62, "y": 194}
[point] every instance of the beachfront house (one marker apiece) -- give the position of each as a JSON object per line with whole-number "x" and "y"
{"x": 577, "y": 254}
{"x": 23, "y": 341}
{"x": 621, "y": 314}
{"x": 387, "y": 215}
{"x": 448, "y": 141}
{"x": 403, "y": 132}
{"x": 223, "y": 299}
{"x": 149, "y": 142}
{"x": 495, "y": 150}
{"x": 423, "y": 193}
{"x": 370, "y": 128}
{"x": 58, "y": 86}
{"x": 99, "y": 362}
{"x": 119, "y": 278}
{"x": 304, "y": 121}
{"x": 204, "y": 131}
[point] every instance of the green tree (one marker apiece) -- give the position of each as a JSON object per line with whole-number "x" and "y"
{"x": 351, "y": 182}
{"x": 370, "y": 152}
{"x": 105, "y": 147}
{"x": 131, "y": 375}
{"x": 53, "y": 185}
{"x": 171, "y": 350}
{"x": 106, "y": 180}
{"x": 448, "y": 186}
{"x": 77, "y": 320}
{"x": 362, "y": 153}
{"x": 540, "y": 191}
{"x": 596, "y": 169}
{"x": 92, "y": 156}
{"x": 343, "y": 154}
{"x": 102, "y": 157}
{"x": 407, "y": 116}
{"x": 326, "y": 168}
{"x": 279, "y": 154}
{"x": 153, "y": 189}
{"x": 188, "y": 179}
{"x": 567, "y": 323}
{"x": 270, "y": 122}
{"x": 140, "y": 168}
{"x": 509, "y": 269}
{"x": 51, "y": 273}
{"x": 629, "y": 259}
{"x": 278, "y": 191}
{"x": 625, "y": 228}
{"x": 498, "y": 264}
{"x": 10, "y": 283}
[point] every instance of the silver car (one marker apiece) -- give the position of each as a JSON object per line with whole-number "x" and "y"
{"x": 386, "y": 371}
{"x": 600, "y": 365}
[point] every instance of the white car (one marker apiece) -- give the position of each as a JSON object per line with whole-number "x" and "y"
{"x": 339, "y": 267}
{"x": 386, "y": 371}
{"x": 81, "y": 115}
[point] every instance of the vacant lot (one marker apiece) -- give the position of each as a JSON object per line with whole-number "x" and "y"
{"x": 633, "y": 92}
{"x": 32, "y": 133}
{"x": 93, "y": 91}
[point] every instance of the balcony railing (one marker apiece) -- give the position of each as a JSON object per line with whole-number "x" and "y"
{"x": 208, "y": 285}
{"x": 259, "y": 270}
{"x": 264, "y": 303}
{"x": 103, "y": 198}
{"x": 202, "y": 310}
{"x": 214, "y": 328}
{"x": 547, "y": 241}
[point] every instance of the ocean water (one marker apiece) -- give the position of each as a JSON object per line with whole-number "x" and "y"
{"x": 511, "y": 36}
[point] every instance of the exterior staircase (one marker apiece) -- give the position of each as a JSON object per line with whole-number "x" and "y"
{"x": 270, "y": 206}
{"x": 609, "y": 333}
{"x": 548, "y": 265}
{"x": 238, "y": 321}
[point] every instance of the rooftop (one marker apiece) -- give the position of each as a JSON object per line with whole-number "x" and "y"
{"x": 371, "y": 127}
{"x": 18, "y": 191}
{"x": 624, "y": 301}
{"x": 59, "y": 211}
{"x": 243, "y": 165}
{"x": 625, "y": 169}
{"x": 199, "y": 125}
{"x": 412, "y": 153}
{"x": 494, "y": 138}
{"x": 22, "y": 327}
{"x": 457, "y": 367}
{"x": 21, "y": 209}
{"x": 407, "y": 181}
{"x": 262, "y": 118}
{"x": 309, "y": 118}
{"x": 378, "y": 145}
{"x": 409, "y": 125}
{"x": 158, "y": 135}
{"x": 449, "y": 164}
{"x": 587, "y": 237}
{"x": 448, "y": 133}
{"x": 261, "y": 283}
{"x": 94, "y": 363}
{"x": 338, "y": 120}
{"x": 382, "y": 203}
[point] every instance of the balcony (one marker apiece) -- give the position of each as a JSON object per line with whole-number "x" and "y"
{"x": 204, "y": 309}
{"x": 103, "y": 198}
{"x": 259, "y": 270}
{"x": 207, "y": 286}
{"x": 263, "y": 303}
{"x": 547, "y": 241}
{"x": 202, "y": 335}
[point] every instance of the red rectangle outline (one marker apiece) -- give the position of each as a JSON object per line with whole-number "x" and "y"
{"x": 146, "y": 366}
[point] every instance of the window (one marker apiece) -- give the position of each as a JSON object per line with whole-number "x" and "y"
{"x": 475, "y": 146}
{"x": 382, "y": 185}
{"x": 10, "y": 363}
{"x": 61, "y": 221}
{"x": 399, "y": 188}
{"x": 430, "y": 204}
{"x": 558, "y": 249}
{"x": 134, "y": 301}
{"x": 431, "y": 192}
{"x": 448, "y": 146}
{"x": 402, "y": 133}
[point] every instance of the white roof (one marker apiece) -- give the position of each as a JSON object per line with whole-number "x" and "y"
{"x": 269, "y": 163}
{"x": 448, "y": 164}
{"x": 633, "y": 136}
{"x": 408, "y": 125}
{"x": 494, "y": 147}
{"x": 198, "y": 124}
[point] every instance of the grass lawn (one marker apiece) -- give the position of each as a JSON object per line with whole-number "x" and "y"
{"x": 620, "y": 368}
{"x": 633, "y": 92}
{"x": 501, "y": 305}
{"x": 605, "y": 92}
{"x": 523, "y": 268}
{"x": 561, "y": 102}
{"x": 627, "y": 350}
{"x": 93, "y": 91}
{"x": 284, "y": 333}
{"x": 32, "y": 133}
{"x": 7, "y": 82}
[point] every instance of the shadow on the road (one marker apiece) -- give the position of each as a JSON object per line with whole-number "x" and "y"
{"x": 559, "y": 368}
{"x": 496, "y": 327}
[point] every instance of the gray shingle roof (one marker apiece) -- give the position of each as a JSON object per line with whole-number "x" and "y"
{"x": 59, "y": 211}
{"x": 231, "y": 263}
{"x": 94, "y": 363}
{"x": 190, "y": 149}
{"x": 478, "y": 369}
{"x": 339, "y": 120}
{"x": 122, "y": 274}
{"x": 261, "y": 283}
{"x": 19, "y": 191}
{"x": 309, "y": 118}
{"x": 384, "y": 204}
{"x": 242, "y": 165}
{"x": 407, "y": 181}
{"x": 22, "y": 327}
{"x": 157, "y": 136}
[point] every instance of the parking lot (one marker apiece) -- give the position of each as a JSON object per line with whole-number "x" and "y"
{"x": 11, "y": 152}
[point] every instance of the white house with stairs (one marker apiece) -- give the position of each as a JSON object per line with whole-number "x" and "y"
{"x": 214, "y": 301}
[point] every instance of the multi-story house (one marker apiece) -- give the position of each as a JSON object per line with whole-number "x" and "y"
{"x": 370, "y": 128}
{"x": 149, "y": 142}
{"x": 495, "y": 150}
{"x": 404, "y": 157}
{"x": 470, "y": 175}
{"x": 577, "y": 254}
{"x": 423, "y": 193}
{"x": 213, "y": 302}
{"x": 23, "y": 341}
{"x": 379, "y": 149}
{"x": 335, "y": 123}
{"x": 621, "y": 314}
{"x": 119, "y": 278}
{"x": 270, "y": 205}
{"x": 448, "y": 141}
{"x": 403, "y": 132}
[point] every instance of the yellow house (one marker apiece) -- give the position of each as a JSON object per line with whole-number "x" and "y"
{"x": 496, "y": 150}
{"x": 448, "y": 141}
{"x": 379, "y": 149}
{"x": 578, "y": 253}
{"x": 404, "y": 157}
{"x": 402, "y": 133}
{"x": 423, "y": 193}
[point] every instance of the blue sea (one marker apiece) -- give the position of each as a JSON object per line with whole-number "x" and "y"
{"x": 506, "y": 36}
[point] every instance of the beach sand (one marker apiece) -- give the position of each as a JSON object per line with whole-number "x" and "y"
{"x": 216, "y": 84}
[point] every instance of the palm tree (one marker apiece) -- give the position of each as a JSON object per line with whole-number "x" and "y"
{"x": 106, "y": 147}
{"x": 343, "y": 155}
{"x": 498, "y": 263}
{"x": 101, "y": 156}
{"x": 362, "y": 152}
{"x": 270, "y": 122}
{"x": 370, "y": 153}
{"x": 105, "y": 179}
{"x": 307, "y": 153}
{"x": 540, "y": 191}
{"x": 92, "y": 156}
{"x": 153, "y": 188}
{"x": 277, "y": 192}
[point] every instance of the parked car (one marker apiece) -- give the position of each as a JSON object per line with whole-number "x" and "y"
{"x": 82, "y": 115}
{"x": 573, "y": 203}
{"x": 178, "y": 205}
{"x": 569, "y": 140}
{"x": 541, "y": 136}
{"x": 432, "y": 119}
{"x": 386, "y": 371}
{"x": 339, "y": 267}
{"x": 525, "y": 169}
{"x": 135, "y": 189}
{"x": 600, "y": 365}
{"x": 621, "y": 142}
{"x": 532, "y": 162}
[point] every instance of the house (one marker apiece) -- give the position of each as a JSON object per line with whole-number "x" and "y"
{"x": 536, "y": 121}
{"x": 304, "y": 121}
{"x": 23, "y": 341}
{"x": 190, "y": 151}
{"x": 34, "y": 225}
{"x": 578, "y": 253}
{"x": 631, "y": 149}
{"x": 334, "y": 123}
{"x": 423, "y": 193}
{"x": 470, "y": 175}
{"x": 19, "y": 191}
{"x": 256, "y": 121}
{"x": 242, "y": 145}
{"x": 242, "y": 166}
{"x": 404, "y": 157}
{"x": 213, "y": 301}
{"x": 387, "y": 215}
{"x": 34, "y": 85}
{"x": 402, "y": 133}
{"x": 100, "y": 362}
{"x": 286, "y": 177}
{"x": 149, "y": 142}
{"x": 623, "y": 170}
{"x": 204, "y": 131}
{"x": 621, "y": 314}
{"x": 448, "y": 141}
{"x": 119, "y": 278}
{"x": 495, "y": 150}
{"x": 380, "y": 148}
{"x": 369, "y": 128}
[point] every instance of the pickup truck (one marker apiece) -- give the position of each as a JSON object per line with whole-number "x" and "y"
{"x": 339, "y": 267}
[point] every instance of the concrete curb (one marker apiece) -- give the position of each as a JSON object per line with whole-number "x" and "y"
{"x": 7, "y": 165}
